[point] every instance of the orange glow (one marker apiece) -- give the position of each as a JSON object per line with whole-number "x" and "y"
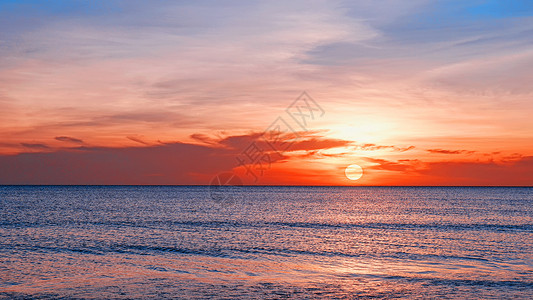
{"x": 422, "y": 113}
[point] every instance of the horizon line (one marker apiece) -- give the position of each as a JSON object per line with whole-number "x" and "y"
{"x": 258, "y": 185}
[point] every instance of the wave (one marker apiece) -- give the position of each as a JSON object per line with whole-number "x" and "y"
{"x": 237, "y": 253}
{"x": 172, "y": 225}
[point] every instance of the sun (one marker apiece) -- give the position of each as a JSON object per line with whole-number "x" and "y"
{"x": 353, "y": 172}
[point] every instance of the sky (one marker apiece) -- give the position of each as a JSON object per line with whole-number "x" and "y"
{"x": 275, "y": 92}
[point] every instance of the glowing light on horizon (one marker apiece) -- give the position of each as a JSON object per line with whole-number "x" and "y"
{"x": 354, "y": 172}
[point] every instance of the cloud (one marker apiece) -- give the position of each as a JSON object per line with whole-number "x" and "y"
{"x": 386, "y": 165}
{"x": 518, "y": 172}
{"x": 275, "y": 141}
{"x": 373, "y": 147}
{"x": 69, "y": 139}
{"x": 204, "y": 138}
{"x": 143, "y": 116}
{"x": 185, "y": 163}
{"x": 315, "y": 154}
{"x": 443, "y": 151}
{"x": 242, "y": 141}
{"x": 137, "y": 140}
{"x": 318, "y": 144}
{"x": 191, "y": 54}
{"x": 174, "y": 163}
{"x": 35, "y": 146}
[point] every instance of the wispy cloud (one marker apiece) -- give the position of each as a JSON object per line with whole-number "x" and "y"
{"x": 136, "y": 139}
{"x": 373, "y": 147}
{"x": 383, "y": 164}
{"x": 444, "y": 151}
{"x": 35, "y": 146}
{"x": 69, "y": 139}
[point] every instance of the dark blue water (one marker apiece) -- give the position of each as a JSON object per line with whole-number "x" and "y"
{"x": 266, "y": 242}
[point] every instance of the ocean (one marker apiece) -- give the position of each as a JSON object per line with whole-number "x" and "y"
{"x": 153, "y": 242}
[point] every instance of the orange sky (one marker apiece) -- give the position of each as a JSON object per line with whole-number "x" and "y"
{"x": 423, "y": 93}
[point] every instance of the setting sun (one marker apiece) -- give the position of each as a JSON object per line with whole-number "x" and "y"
{"x": 353, "y": 172}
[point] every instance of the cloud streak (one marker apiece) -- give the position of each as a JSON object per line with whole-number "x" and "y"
{"x": 374, "y": 147}
{"x": 35, "y": 146}
{"x": 443, "y": 151}
{"x": 138, "y": 140}
{"x": 68, "y": 139}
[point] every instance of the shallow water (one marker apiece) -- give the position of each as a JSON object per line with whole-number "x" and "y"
{"x": 266, "y": 242}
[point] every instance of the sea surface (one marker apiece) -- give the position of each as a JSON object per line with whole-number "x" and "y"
{"x": 142, "y": 242}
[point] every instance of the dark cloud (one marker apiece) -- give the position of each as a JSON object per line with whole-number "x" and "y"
{"x": 202, "y": 138}
{"x": 169, "y": 163}
{"x": 242, "y": 141}
{"x": 132, "y": 138}
{"x": 176, "y": 163}
{"x": 275, "y": 142}
{"x": 35, "y": 146}
{"x": 69, "y": 139}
